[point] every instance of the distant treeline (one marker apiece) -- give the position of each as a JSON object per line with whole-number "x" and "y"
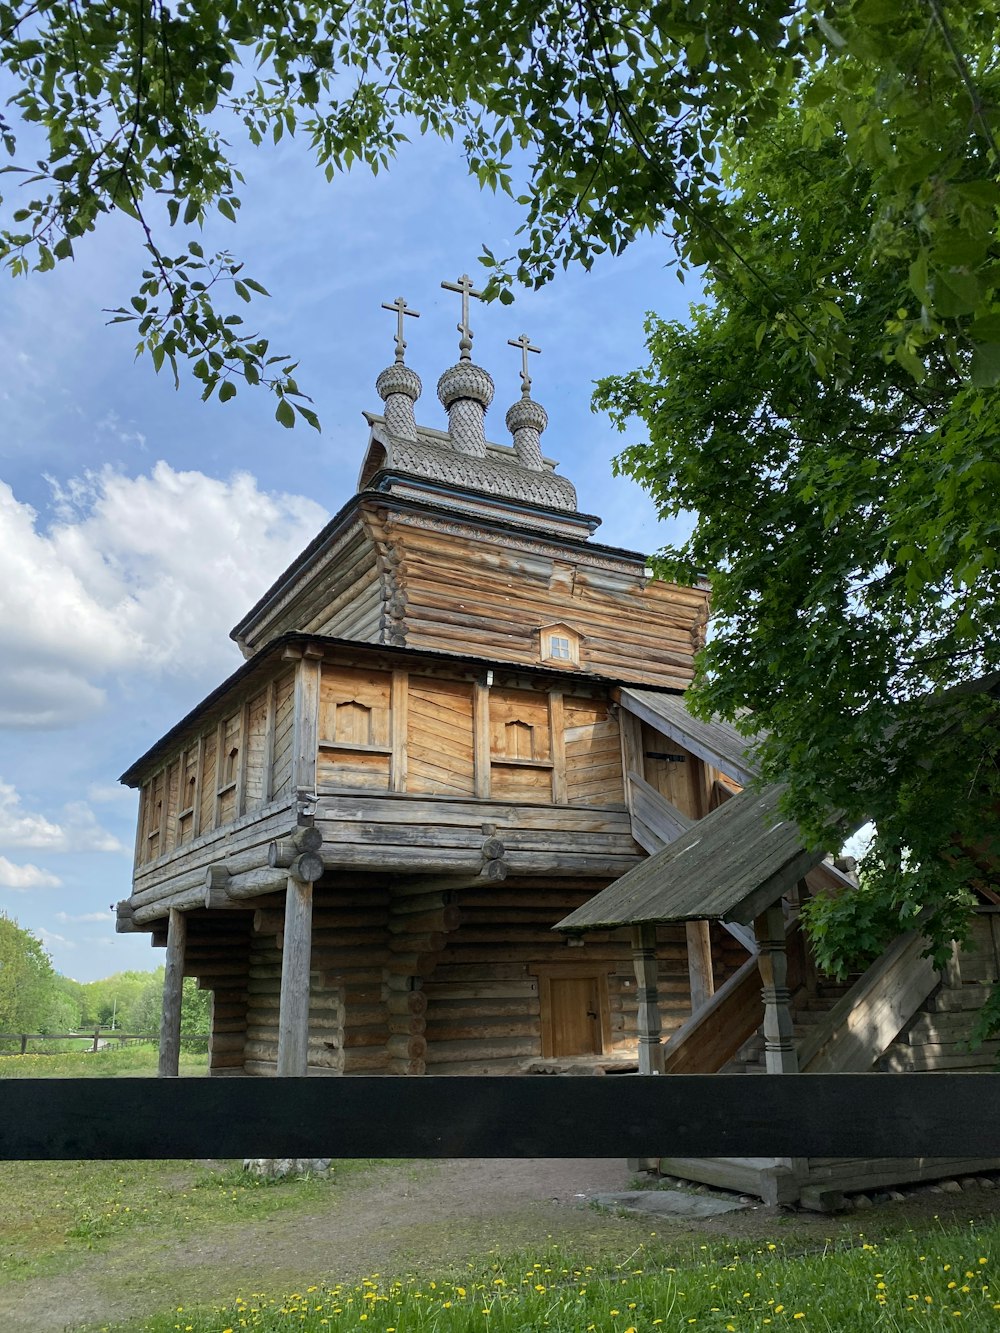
{"x": 36, "y": 998}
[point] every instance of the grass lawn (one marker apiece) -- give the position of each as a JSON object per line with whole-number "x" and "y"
{"x": 852, "y": 1286}
{"x": 136, "y": 1060}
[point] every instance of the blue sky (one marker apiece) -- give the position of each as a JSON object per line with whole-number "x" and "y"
{"x": 137, "y": 524}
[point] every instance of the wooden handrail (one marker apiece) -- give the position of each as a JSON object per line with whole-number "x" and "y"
{"x": 705, "y": 1041}
{"x": 864, "y": 1022}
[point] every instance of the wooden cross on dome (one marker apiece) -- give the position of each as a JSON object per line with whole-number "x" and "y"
{"x": 526, "y": 346}
{"x": 464, "y": 285}
{"x": 401, "y": 309}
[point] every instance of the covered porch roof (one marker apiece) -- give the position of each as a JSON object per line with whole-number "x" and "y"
{"x": 729, "y": 866}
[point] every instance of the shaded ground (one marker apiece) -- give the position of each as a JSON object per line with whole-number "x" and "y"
{"x": 401, "y": 1218}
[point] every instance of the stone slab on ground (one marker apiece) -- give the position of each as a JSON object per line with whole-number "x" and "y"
{"x": 668, "y": 1203}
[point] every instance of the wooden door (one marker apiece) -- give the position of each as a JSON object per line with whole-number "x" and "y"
{"x": 575, "y": 1015}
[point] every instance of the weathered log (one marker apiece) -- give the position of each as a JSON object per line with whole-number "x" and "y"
{"x": 307, "y": 867}
{"x": 438, "y": 919}
{"x": 402, "y": 1025}
{"x": 495, "y": 870}
{"x": 295, "y": 960}
{"x": 252, "y": 883}
{"x": 373, "y": 1059}
{"x": 125, "y": 922}
{"x": 267, "y": 921}
{"x": 407, "y": 1047}
{"x": 173, "y": 985}
{"x": 429, "y": 942}
{"x": 402, "y": 1068}
{"x": 283, "y": 851}
{"x": 411, "y": 965}
{"x": 493, "y": 849}
{"x": 406, "y": 1002}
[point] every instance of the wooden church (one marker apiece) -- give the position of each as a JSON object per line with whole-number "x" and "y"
{"x": 460, "y": 724}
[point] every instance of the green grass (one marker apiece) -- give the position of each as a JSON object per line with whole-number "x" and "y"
{"x": 131, "y": 1061}
{"x": 55, "y": 1213}
{"x": 936, "y": 1283}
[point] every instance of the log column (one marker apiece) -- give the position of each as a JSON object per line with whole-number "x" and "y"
{"x": 780, "y": 1056}
{"x": 173, "y": 990}
{"x": 296, "y": 956}
{"x": 646, "y": 975}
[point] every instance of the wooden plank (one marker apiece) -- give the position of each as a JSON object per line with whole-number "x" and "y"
{"x": 306, "y": 737}
{"x": 699, "y": 948}
{"x": 173, "y": 983}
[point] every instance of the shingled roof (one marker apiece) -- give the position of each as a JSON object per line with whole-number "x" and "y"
{"x": 729, "y": 866}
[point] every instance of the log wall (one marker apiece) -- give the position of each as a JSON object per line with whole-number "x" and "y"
{"x": 236, "y": 762}
{"x": 630, "y": 627}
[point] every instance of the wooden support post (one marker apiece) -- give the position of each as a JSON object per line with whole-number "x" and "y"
{"x": 702, "y": 978}
{"x": 951, "y": 973}
{"x": 296, "y": 951}
{"x": 173, "y": 986}
{"x": 646, "y": 974}
{"x": 481, "y": 739}
{"x": 780, "y": 1056}
{"x": 307, "y": 679}
{"x": 398, "y": 715}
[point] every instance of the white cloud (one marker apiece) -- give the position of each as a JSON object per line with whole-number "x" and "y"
{"x": 143, "y": 573}
{"x": 21, "y": 878}
{"x": 79, "y": 830}
{"x": 86, "y": 917}
{"x": 51, "y": 940}
{"x": 110, "y": 793}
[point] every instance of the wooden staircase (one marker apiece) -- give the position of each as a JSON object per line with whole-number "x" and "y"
{"x": 809, "y": 1011}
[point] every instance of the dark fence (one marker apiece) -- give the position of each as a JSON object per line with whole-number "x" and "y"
{"x": 705, "y": 1115}
{"x": 99, "y": 1039}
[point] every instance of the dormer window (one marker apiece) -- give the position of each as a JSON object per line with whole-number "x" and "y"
{"x": 559, "y": 645}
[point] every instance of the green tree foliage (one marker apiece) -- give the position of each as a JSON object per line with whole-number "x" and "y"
{"x": 607, "y": 120}
{"x": 26, "y": 980}
{"x": 850, "y": 520}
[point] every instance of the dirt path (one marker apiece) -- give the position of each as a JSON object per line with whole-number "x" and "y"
{"x": 424, "y": 1215}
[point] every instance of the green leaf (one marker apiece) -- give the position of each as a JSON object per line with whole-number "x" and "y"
{"x": 284, "y": 414}
{"x": 956, "y": 294}
{"x": 227, "y": 390}
{"x": 984, "y": 372}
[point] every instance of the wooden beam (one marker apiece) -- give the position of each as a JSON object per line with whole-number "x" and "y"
{"x": 481, "y": 739}
{"x": 296, "y": 952}
{"x": 173, "y": 986}
{"x": 700, "y": 974}
{"x": 714, "y": 1115}
{"x": 398, "y": 723}
{"x": 557, "y": 732}
{"x": 306, "y": 732}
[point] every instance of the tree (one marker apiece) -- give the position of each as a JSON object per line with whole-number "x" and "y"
{"x": 26, "y": 979}
{"x": 850, "y": 522}
{"x": 616, "y": 118}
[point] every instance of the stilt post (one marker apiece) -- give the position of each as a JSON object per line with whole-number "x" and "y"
{"x": 173, "y": 990}
{"x": 644, "y": 962}
{"x": 780, "y": 1056}
{"x": 296, "y": 953}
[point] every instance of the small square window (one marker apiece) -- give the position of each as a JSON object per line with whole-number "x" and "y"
{"x": 559, "y": 643}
